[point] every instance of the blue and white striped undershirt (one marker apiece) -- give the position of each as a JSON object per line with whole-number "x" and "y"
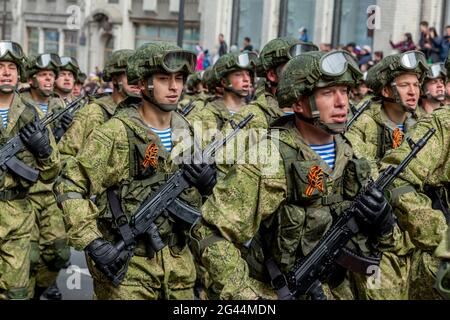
{"x": 401, "y": 127}
{"x": 43, "y": 107}
{"x": 288, "y": 113}
{"x": 4, "y": 115}
{"x": 165, "y": 136}
{"x": 327, "y": 152}
{"x": 232, "y": 112}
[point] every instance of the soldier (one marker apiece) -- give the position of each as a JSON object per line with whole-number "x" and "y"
{"x": 424, "y": 217}
{"x": 101, "y": 108}
{"x": 196, "y": 95}
{"x": 41, "y": 153}
{"x": 131, "y": 156}
{"x": 396, "y": 82}
{"x": 274, "y": 56}
{"x": 235, "y": 72}
{"x": 433, "y": 88}
{"x": 78, "y": 89}
{"x": 286, "y": 201}
{"x": 49, "y": 248}
{"x": 68, "y": 74}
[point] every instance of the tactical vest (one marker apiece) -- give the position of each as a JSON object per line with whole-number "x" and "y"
{"x": 221, "y": 113}
{"x": 312, "y": 201}
{"x": 107, "y": 111}
{"x": 28, "y": 115}
{"x": 149, "y": 170}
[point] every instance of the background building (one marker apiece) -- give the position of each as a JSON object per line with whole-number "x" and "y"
{"x": 92, "y": 29}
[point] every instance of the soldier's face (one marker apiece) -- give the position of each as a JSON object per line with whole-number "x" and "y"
{"x": 240, "y": 80}
{"x": 128, "y": 87}
{"x": 436, "y": 88}
{"x": 408, "y": 88}
{"x": 45, "y": 80}
{"x": 77, "y": 88}
{"x": 9, "y": 75}
{"x": 168, "y": 87}
{"x": 332, "y": 103}
{"x": 447, "y": 88}
{"x": 65, "y": 80}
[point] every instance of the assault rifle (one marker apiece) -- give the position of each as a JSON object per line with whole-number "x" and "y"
{"x": 306, "y": 275}
{"x": 164, "y": 200}
{"x": 358, "y": 112}
{"x": 8, "y": 159}
{"x": 188, "y": 108}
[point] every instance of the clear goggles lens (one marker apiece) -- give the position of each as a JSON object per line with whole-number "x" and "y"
{"x": 12, "y": 48}
{"x": 44, "y": 60}
{"x": 336, "y": 63}
{"x": 69, "y": 60}
{"x": 410, "y": 60}
{"x": 176, "y": 61}
{"x": 437, "y": 70}
{"x": 244, "y": 60}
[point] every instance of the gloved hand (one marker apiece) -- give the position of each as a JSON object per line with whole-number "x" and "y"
{"x": 36, "y": 139}
{"x": 202, "y": 176}
{"x": 106, "y": 257}
{"x": 66, "y": 121}
{"x": 373, "y": 213}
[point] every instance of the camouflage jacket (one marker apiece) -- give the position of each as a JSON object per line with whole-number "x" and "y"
{"x": 251, "y": 195}
{"x": 20, "y": 114}
{"x": 373, "y": 134}
{"x": 84, "y": 122}
{"x": 106, "y": 162}
{"x": 431, "y": 167}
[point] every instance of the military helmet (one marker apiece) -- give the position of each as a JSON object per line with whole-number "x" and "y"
{"x": 231, "y": 62}
{"x": 12, "y": 51}
{"x": 193, "y": 80}
{"x": 81, "y": 77}
{"x": 46, "y": 61}
{"x": 163, "y": 57}
{"x": 210, "y": 81}
{"x": 436, "y": 71}
{"x": 116, "y": 64}
{"x": 315, "y": 69}
{"x": 279, "y": 51}
{"x": 384, "y": 73}
{"x": 70, "y": 64}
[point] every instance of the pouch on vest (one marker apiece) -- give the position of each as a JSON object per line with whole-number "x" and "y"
{"x": 310, "y": 181}
{"x": 356, "y": 175}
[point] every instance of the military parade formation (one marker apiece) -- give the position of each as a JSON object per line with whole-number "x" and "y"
{"x": 284, "y": 174}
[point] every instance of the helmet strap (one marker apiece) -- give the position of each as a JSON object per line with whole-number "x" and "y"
{"x": 35, "y": 86}
{"x": 150, "y": 98}
{"x": 238, "y": 93}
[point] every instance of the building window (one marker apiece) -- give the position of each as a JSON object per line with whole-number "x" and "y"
{"x": 33, "y": 41}
{"x": 147, "y": 33}
{"x": 250, "y": 22}
{"x": 51, "y": 41}
{"x": 113, "y": 1}
{"x": 300, "y": 14}
{"x": 353, "y": 22}
{"x": 109, "y": 48}
{"x": 70, "y": 43}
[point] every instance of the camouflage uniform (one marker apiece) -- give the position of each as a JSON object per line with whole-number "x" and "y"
{"x": 17, "y": 208}
{"x": 212, "y": 118}
{"x": 264, "y": 108}
{"x": 425, "y": 225}
{"x": 269, "y": 200}
{"x": 99, "y": 110}
{"x": 113, "y": 159}
{"x": 372, "y": 136}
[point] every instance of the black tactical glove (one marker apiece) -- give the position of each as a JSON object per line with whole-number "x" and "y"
{"x": 373, "y": 213}
{"x": 202, "y": 176}
{"x": 106, "y": 257}
{"x": 36, "y": 139}
{"x": 66, "y": 121}
{"x": 64, "y": 124}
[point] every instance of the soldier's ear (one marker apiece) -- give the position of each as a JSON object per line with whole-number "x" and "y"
{"x": 299, "y": 106}
{"x": 272, "y": 76}
{"x": 386, "y": 92}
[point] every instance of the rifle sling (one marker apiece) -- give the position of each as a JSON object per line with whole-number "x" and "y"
{"x": 278, "y": 280}
{"x": 356, "y": 263}
{"x": 120, "y": 218}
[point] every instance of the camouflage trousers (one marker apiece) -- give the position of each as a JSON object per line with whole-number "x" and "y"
{"x": 422, "y": 277}
{"x": 49, "y": 244}
{"x": 16, "y": 222}
{"x": 169, "y": 275}
{"x": 389, "y": 282}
